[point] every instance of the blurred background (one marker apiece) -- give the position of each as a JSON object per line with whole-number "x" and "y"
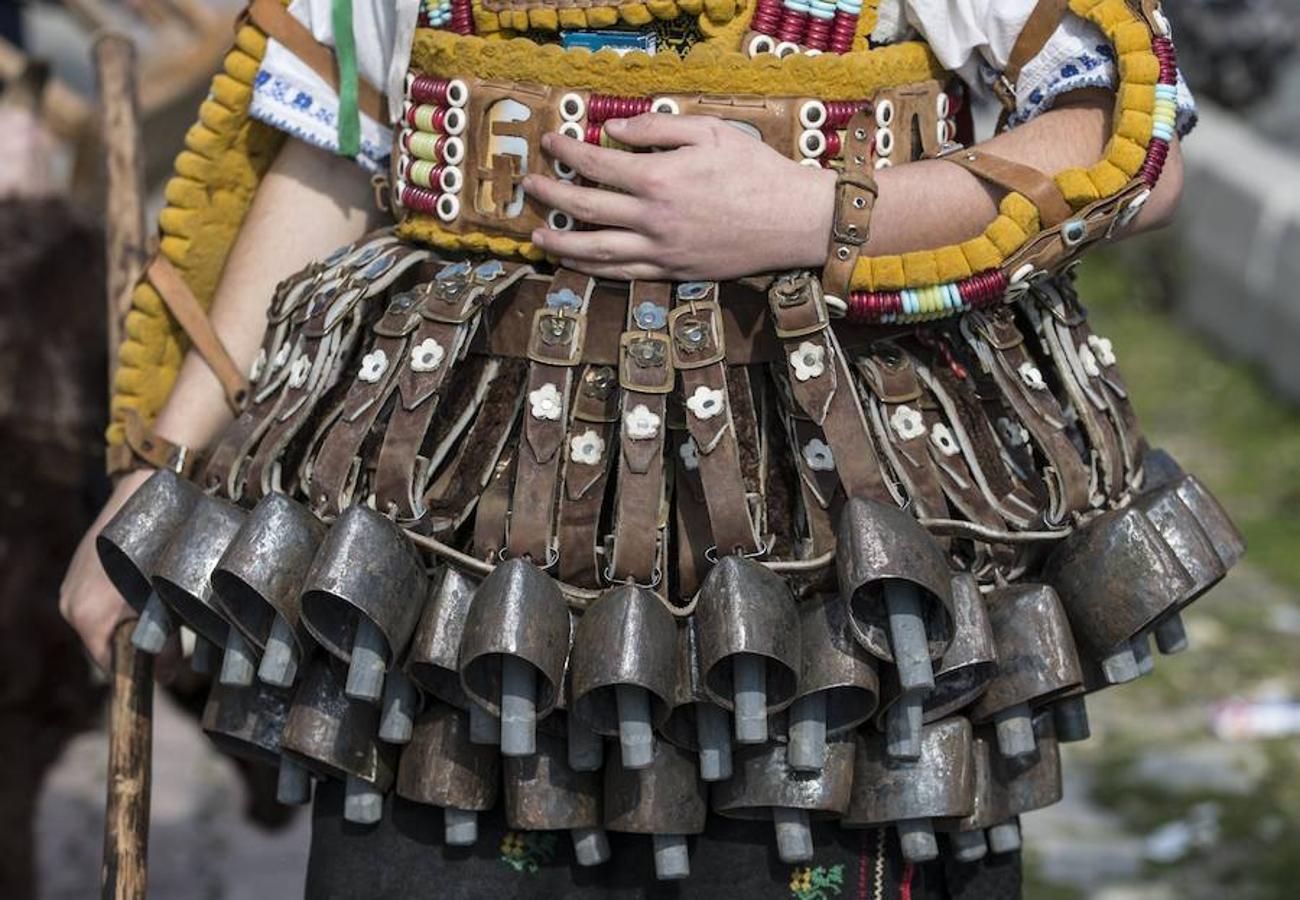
{"x": 1190, "y": 787}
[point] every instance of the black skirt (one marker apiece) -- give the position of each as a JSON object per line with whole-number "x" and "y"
{"x": 404, "y": 856}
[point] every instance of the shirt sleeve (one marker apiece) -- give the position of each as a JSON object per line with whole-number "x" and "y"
{"x": 289, "y": 96}
{"x": 974, "y": 38}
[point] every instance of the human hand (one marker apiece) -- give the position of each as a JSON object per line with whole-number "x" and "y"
{"x": 716, "y": 203}
{"x": 89, "y": 602}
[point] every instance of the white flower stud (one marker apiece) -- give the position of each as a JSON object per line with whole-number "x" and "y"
{"x": 808, "y": 360}
{"x": 1032, "y": 376}
{"x": 1089, "y": 361}
{"x": 586, "y": 448}
{"x": 1103, "y": 349}
{"x": 817, "y": 454}
{"x": 545, "y": 402}
{"x": 1015, "y": 434}
{"x": 907, "y": 423}
{"x": 705, "y": 402}
{"x": 690, "y": 454}
{"x": 942, "y": 439}
{"x": 640, "y": 423}
{"x": 281, "y": 356}
{"x": 427, "y": 355}
{"x": 373, "y": 365}
{"x": 298, "y": 374}
{"x": 259, "y": 365}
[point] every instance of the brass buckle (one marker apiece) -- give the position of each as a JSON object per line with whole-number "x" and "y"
{"x": 557, "y": 337}
{"x": 697, "y": 335}
{"x": 791, "y": 297}
{"x": 645, "y": 352}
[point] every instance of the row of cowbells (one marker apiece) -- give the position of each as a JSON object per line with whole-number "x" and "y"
{"x": 959, "y": 786}
{"x": 751, "y": 668}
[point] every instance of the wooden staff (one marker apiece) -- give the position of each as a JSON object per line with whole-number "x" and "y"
{"x": 124, "y": 873}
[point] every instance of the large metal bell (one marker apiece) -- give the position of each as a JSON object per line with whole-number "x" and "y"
{"x": 362, "y": 597}
{"x": 182, "y": 579}
{"x": 886, "y": 561}
{"x": 543, "y": 794}
{"x": 766, "y": 786}
{"x": 939, "y": 785}
{"x": 432, "y": 658}
{"x": 130, "y": 544}
{"x": 441, "y": 767}
{"x": 838, "y": 689}
{"x": 259, "y": 579}
{"x": 248, "y": 723}
{"x": 696, "y": 723}
{"x": 749, "y": 644}
{"x": 966, "y": 834}
{"x": 623, "y": 668}
{"x": 1037, "y": 663}
{"x": 1027, "y": 784}
{"x": 1116, "y": 577}
{"x": 665, "y": 799}
{"x": 337, "y": 737}
{"x": 514, "y": 649}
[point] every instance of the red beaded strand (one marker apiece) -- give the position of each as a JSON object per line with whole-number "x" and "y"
{"x": 462, "y": 17}
{"x": 602, "y": 107}
{"x": 844, "y": 28}
{"x": 420, "y": 199}
{"x": 427, "y": 89}
{"x": 818, "y": 36}
{"x": 767, "y": 17}
{"x": 838, "y": 112}
{"x": 793, "y": 26}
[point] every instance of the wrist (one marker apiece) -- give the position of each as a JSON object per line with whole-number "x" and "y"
{"x": 818, "y": 202}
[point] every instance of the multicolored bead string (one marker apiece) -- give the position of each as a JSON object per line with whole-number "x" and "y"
{"x": 813, "y": 25}
{"x": 925, "y": 304}
{"x": 1164, "y": 116}
{"x": 429, "y": 176}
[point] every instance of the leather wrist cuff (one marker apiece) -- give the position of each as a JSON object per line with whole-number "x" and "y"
{"x": 855, "y": 198}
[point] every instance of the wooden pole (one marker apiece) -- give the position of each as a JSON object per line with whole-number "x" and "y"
{"x": 124, "y": 175}
{"x": 124, "y": 874}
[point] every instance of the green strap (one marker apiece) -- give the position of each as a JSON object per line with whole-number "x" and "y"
{"x": 345, "y": 51}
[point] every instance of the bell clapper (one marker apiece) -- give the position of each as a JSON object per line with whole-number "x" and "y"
{"x": 807, "y": 751}
{"x": 1070, "y": 717}
{"x": 518, "y": 707}
{"x": 903, "y": 722}
{"x": 635, "y": 734}
{"x": 1146, "y": 660}
{"x": 969, "y": 846}
{"x": 1171, "y": 635}
{"x": 1005, "y": 838}
{"x": 240, "y": 662}
{"x": 153, "y": 628}
{"x": 749, "y": 683}
{"x": 586, "y": 748}
{"x": 672, "y": 857}
{"x": 401, "y": 701}
{"x": 1015, "y": 731}
{"x": 1121, "y": 666}
{"x": 366, "y": 669}
{"x": 484, "y": 728}
{"x": 204, "y": 658}
{"x": 911, "y": 650}
{"x": 293, "y": 785}
{"x": 793, "y": 834}
{"x": 590, "y": 845}
{"x": 280, "y": 659}
{"x": 460, "y": 826}
{"x": 362, "y": 803}
{"x": 714, "y": 736}
{"x": 917, "y": 839}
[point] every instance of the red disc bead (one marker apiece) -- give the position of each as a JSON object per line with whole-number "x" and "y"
{"x": 818, "y": 36}
{"x": 838, "y": 112}
{"x": 767, "y": 16}
{"x": 593, "y": 132}
{"x": 793, "y": 25}
{"x": 833, "y": 143}
{"x": 844, "y": 28}
{"x": 420, "y": 199}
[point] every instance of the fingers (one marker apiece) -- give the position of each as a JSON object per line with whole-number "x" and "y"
{"x": 603, "y": 246}
{"x": 663, "y": 130}
{"x": 586, "y": 204}
{"x": 603, "y": 165}
{"x": 636, "y": 271}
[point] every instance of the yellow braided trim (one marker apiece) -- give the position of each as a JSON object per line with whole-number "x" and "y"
{"x": 1017, "y": 219}
{"x": 225, "y": 156}
{"x": 711, "y": 12}
{"x": 706, "y": 69}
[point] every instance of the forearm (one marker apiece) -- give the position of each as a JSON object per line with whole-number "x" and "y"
{"x": 308, "y": 203}
{"x": 932, "y": 203}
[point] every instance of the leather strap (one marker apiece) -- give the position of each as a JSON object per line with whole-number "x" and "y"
{"x": 646, "y": 376}
{"x": 145, "y": 449}
{"x": 855, "y": 197}
{"x": 278, "y": 23}
{"x": 1034, "y": 35}
{"x": 185, "y": 308}
{"x": 699, "y": 355}
{"x": 555, "y": 350}
{"x": 586, "y": 470}
{"x": 1022, "y": 179}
